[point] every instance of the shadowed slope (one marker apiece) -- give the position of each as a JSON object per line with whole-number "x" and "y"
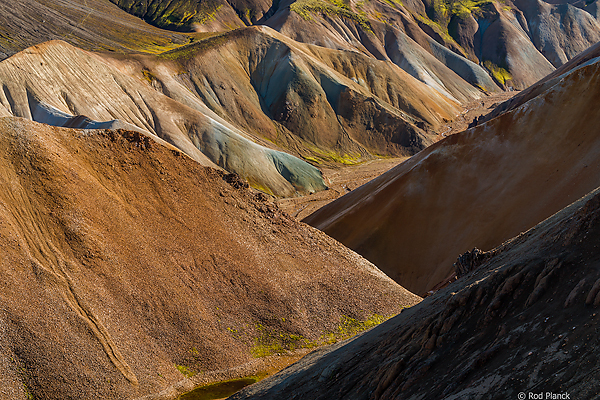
{"x": 123, "y": 259}
{"x": 524, "y": 321}
{"x": 477, "y": 188}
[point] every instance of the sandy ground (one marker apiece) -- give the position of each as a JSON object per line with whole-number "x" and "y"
{"x": 340, "y": 180}
{"x": 344, "y": 179}
{"x": 473, "y": 110}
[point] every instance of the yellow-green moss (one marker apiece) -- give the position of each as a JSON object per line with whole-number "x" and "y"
{"x": 311, "y": 159}
{"x": 327, "y": 155}
{"x": 262, "y": 188}
{"x": 190, "y": 50}
{"x": 270, "y": 343}
{"x": 463, "y": 8}
{"x": 437, "y": 27}
{"x": 305, "y": 8}
{"x": 498, "y": 73}
{"x": 394, "y": 3}
{"x": 186, "y": 371}
{"x": 208, "y": 15}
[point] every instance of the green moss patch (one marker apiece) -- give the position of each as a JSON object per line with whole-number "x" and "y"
{"x": 498, "y": 73}
{"x": 270, "y": 343}
{"x": 326, "y": 155}
{"x": 186, "y": 371}
{"x": 305, "y": 8}
{"x": 464, "y": 8}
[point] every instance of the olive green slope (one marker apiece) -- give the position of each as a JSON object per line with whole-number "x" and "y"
{"x": 89, "y": 24}
{"x": 204, "y": 15}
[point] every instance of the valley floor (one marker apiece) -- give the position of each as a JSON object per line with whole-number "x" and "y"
{"x": 342, "y": 180}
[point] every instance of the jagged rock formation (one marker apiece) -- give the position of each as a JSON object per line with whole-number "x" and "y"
{"x": 477, "y": 188}
{"x": 123, "y": 259}
{"x": 523, "y": 322}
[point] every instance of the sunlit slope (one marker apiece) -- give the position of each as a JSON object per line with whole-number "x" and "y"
{"x": 477, "y": 188}
{"x": 58, "y": 78}
{"x": 126, "y": 264}
{"x": 319, "y": 103}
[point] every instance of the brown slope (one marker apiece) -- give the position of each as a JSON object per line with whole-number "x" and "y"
{"x": 517, "y": 42}
{"x": 89, "y": 24}
{"x": 123, "y": 259}
{"x": 477, "y": 188}
{"x": 544, "y": 84}
{"x": 524, "y": 322}
{"x": 388, "y": 34}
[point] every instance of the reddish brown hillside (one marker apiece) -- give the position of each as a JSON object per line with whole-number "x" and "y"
{"x": 524, "y": 322}
{"x": 477, "y": 188}
{"x": 125, "y": 262}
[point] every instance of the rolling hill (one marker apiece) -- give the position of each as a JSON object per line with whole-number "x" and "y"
{"x": 477, "y": 188}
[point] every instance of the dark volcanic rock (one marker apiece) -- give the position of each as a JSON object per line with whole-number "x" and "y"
{"x": 498, "y": 331}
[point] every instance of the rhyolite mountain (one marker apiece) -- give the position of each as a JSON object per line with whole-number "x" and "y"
{"x": 516, "y": 42}
{"x": 480, "y": 187}
{"x": 126, "y": 263}
{"x": 523, "y": 319}
{"x": 354, "y": 81}
{"x": 327, "y": 105}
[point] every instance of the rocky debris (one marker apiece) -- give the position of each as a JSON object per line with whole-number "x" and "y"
{"x": 491, "y": 334}
{"x": 236, "y": 181}
{"x": 128, "y": 267}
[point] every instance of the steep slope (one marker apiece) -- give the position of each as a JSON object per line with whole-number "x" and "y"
{"x": 516, "y": 42}
{"x": 57, "y": 78}
{"x": 208, "y": 15}
{"x": 582, "y": 59}
{"x": 523, "y": 323}
{"x": 477, "y": 188}
{"x": 560, "y": 32}
{"x": 125, "y": 262}
{"x": 89, "y": 24}
{"x": 316, "y": 102}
